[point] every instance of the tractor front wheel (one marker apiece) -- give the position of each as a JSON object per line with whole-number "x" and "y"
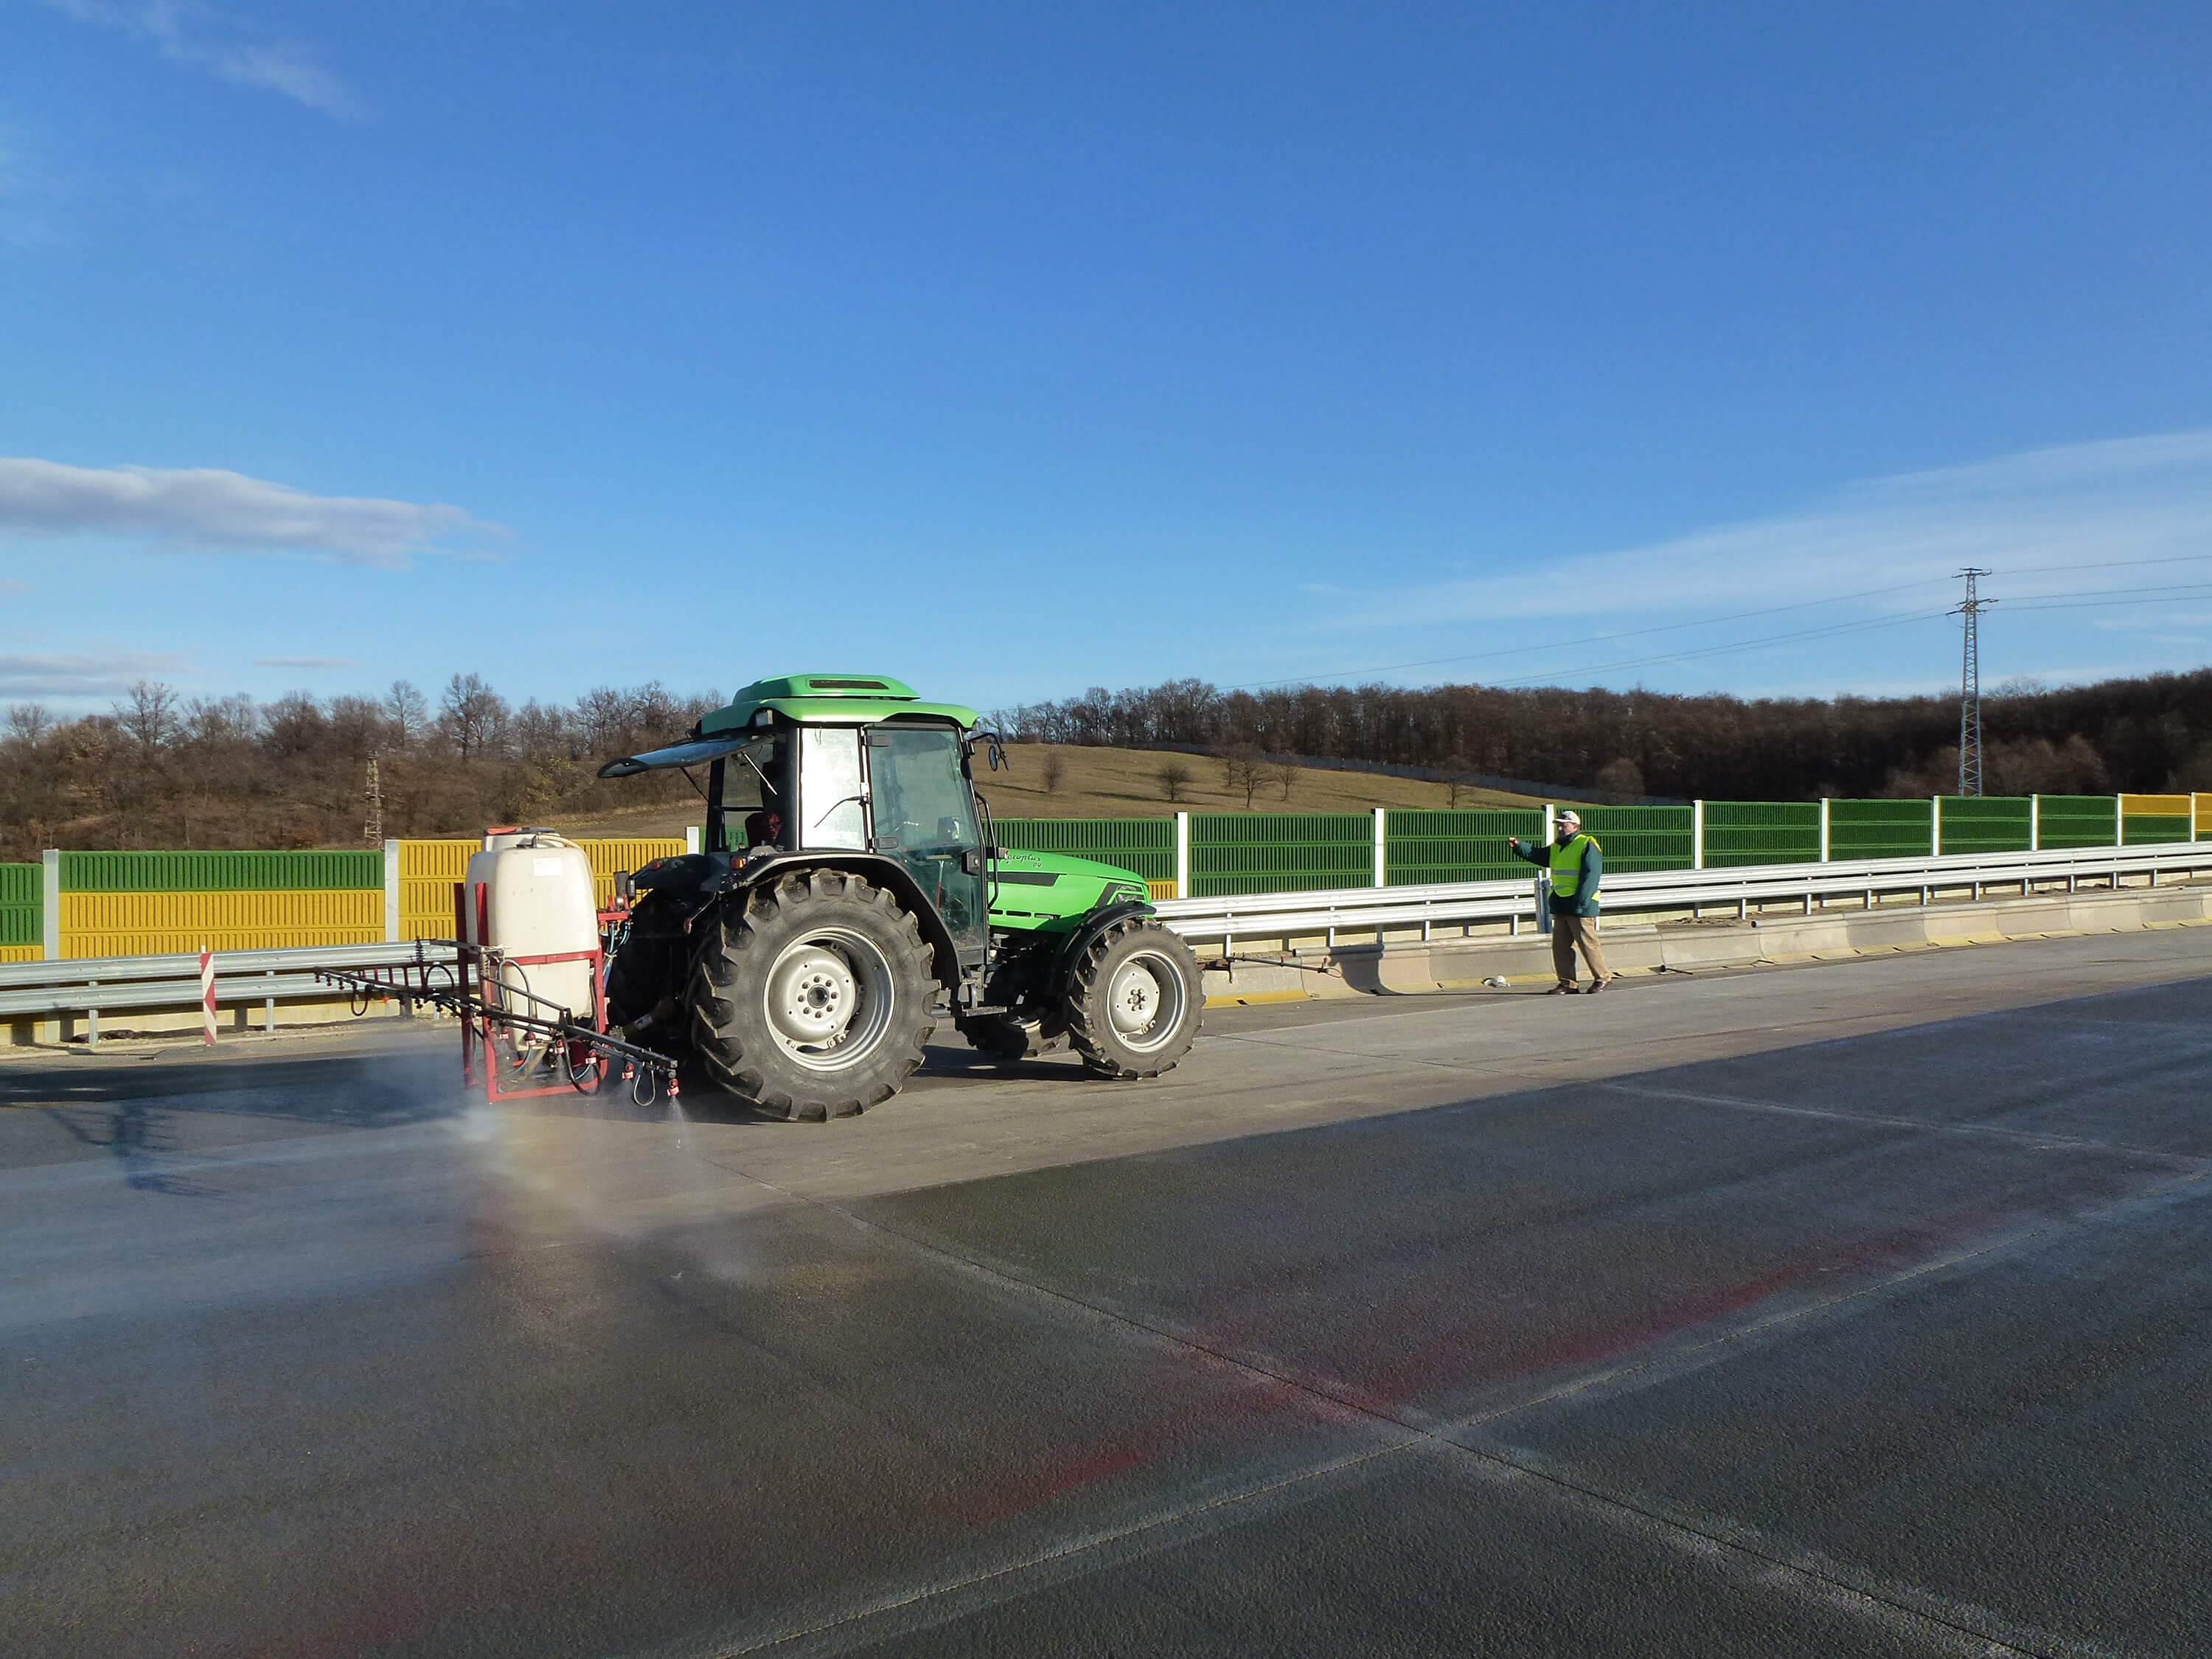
{"x": 816, "y": 1001}
{"x": 1133, "y": 1000}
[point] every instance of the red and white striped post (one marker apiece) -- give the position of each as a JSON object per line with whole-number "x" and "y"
{"x": 207, "y": 998}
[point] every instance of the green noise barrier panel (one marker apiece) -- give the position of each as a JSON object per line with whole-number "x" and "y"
{"x": 1279, "y": 852}
{"x": 1144, "y": 847}
{"x": 221, "y": 873}
{"x": 1739, "y": 832}
{"x": 1985, "y": 823}
{"x": 1423, "y": 845}
{"x": 1636, "y": 839}
{"x": 22, "y": 905}
{"x": 1880, "y": 829}
{"x": 2141, "y": 828}
{"x": 2078, "y": 820}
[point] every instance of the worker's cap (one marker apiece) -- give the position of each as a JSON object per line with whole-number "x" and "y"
{"x": 1575, "y": 818}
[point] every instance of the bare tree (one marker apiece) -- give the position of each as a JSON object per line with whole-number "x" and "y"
{"x": 148, "y": 714}
{"x": 1243, "y": 771}
{"x": 1456, "y": 783}
{"x": 409, "y": 711}
{"x": 1174, "y": 775}
{"x": 1286, "y": 776}
{"x": 473, "y": 715}
{"x": 1052, "y": 771}
{"x": 28, "y": 723}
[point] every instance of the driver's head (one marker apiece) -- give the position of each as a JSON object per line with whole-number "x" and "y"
{"x": 1566, "y": 826}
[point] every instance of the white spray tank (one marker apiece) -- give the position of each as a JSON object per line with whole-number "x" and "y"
{"x": 540, "y": 902}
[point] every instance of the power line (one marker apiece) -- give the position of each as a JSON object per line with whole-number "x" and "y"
{"x": 1587, "y": 639}
{"x": 2028, "y": 602}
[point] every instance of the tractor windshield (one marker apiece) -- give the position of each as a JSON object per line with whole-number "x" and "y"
{"x": 925, "y": 817}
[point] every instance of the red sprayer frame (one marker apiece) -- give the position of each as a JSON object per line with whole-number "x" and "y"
{"x": 477, "y": 1026}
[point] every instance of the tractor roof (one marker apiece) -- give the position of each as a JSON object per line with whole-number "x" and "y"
{"x": 845, "y": 699}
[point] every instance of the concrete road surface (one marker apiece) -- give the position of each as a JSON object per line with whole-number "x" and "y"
{"x": 1861, "y": 1308}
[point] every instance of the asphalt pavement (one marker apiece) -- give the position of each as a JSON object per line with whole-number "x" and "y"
{"x": 1843, "y": 1308}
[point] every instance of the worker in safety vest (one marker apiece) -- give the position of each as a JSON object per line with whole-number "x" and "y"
{"x": 1575, "y": 864}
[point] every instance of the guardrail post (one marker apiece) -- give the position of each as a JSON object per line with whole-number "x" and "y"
{"x": 1382, "y": 846}
{"x": 1825, "y": 803}
{"x": 1697, "y": 833}
{"x": 1183, "y": 855}
{"x": 392, "y": 892}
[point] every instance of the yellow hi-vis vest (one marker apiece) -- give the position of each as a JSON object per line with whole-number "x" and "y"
{"x": 1567, "y": 864}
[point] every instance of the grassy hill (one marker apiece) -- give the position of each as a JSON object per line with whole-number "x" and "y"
{"x": 1123, "y": 783}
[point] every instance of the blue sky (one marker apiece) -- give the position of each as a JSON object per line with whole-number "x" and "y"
{"x": 1018, "y": 348}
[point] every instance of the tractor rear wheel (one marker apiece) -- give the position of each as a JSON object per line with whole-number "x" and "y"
{"x": 816, "y": 1001}
{"x": 1133, "y": 1000}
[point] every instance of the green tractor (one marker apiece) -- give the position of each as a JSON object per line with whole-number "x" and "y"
{"x": 848, "y": 889}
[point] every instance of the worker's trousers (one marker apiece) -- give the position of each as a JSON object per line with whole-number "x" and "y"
{"x": 1570, "y": 933}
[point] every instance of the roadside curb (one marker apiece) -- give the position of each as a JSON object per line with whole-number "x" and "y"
{"x": 1643, "y": 949}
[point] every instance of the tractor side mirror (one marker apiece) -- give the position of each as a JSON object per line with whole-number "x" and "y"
{"x": 625, "y": 886}
{"x": 971, "y": 861}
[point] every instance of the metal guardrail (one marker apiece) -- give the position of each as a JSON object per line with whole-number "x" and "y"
{"x": 94, "y": 985}
{"x": 1304, "y": 915}
{"x": 45, "y": 990}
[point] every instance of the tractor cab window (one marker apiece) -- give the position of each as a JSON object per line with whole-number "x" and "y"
{"x": 754, "y": 795}
{"x": 832, "y": 799}
{"x": 925, "y": 817}
{"x": 921, "y": 798}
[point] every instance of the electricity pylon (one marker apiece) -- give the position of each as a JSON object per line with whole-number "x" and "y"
{"x": 1970, "y": 688}
{"x": 373, "y": 831}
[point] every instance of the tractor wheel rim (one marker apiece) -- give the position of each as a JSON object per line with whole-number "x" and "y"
{"x": 1145, "y": 1001}
{"x": 828, "y": 999}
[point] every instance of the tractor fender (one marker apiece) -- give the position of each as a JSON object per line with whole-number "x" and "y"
{"x": 1081, "y": 939}
{"x": 889, "y": 873}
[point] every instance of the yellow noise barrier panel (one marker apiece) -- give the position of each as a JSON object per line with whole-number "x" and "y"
{"x": 1161, "y": 889}
{"x": 429, "y": 869}
{"x": 2155, "y": 806}
{"x": 165, "y": 924}
{"x": 20, "y": 952}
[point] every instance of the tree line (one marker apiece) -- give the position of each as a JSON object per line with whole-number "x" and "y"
{"x": 161, "y": 770}
{"x": 2151, "y": 733}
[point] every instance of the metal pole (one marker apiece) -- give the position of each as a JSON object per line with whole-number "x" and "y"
{"x": 1182, "y": 856}
{"x": 1381, "y": 847}
{"x": 1697, "y": 834}
{"x": 1970, "y": 686}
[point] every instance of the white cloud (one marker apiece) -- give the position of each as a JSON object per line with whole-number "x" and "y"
{"x": 102, "y": 674}
{"x": 305, "y": 662}
{"x": 204, "y": 37}
{"x": 204, "y": 508}
{"x": 9, "y": 585}
{"x": 2083, "y": 507}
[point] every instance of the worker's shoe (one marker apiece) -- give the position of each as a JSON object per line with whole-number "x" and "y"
{"x": 1562, "y": 989}
{"x": 1597, "y": 985}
